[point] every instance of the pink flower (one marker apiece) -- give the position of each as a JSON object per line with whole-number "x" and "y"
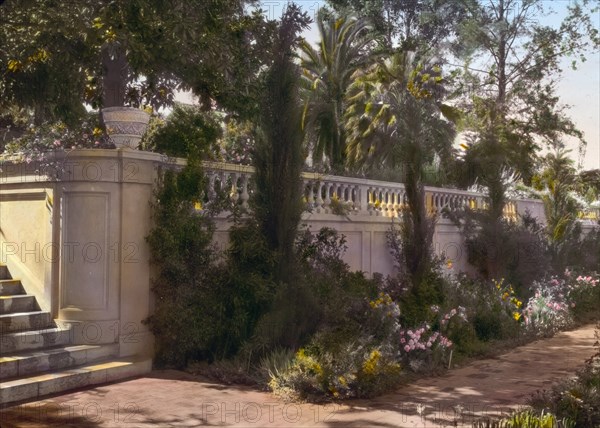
{"x": 402, "y": 340}
{"x": 406, "y": 348}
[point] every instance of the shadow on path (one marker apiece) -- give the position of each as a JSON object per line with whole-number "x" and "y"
{"x": 169, "y": 398}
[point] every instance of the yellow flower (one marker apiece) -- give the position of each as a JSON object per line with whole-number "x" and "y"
{"x": 516, "y": 316}
{"x": 14, "y": 65}
{"x": 370, "y": 366}
{"x": 449, "y": 264}
{"x": 505, "y": 296}
{"x": 97, "y": 132}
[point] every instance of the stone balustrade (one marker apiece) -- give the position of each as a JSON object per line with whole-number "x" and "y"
{"x": 330, "y": 194}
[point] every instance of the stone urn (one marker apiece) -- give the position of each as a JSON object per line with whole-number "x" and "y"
{"x": 125, "y": 125}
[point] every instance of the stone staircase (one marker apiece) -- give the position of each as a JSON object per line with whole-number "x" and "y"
{"x": 37, "y": 356}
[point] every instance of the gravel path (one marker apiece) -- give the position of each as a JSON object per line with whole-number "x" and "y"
{"x": 170, "y": 398}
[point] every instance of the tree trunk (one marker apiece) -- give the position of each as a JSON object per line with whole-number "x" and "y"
{"x": 115, "y": 71}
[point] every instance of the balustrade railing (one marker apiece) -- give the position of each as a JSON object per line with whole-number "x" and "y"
{"x": 330, "y": 194}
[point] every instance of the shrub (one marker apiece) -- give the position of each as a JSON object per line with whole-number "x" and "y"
{"x": 547, "y": 311}
{"x": 587, "y": 253}
{"x": 491, "y": 306}
{"x": 516, "y": 250}
{"x": 357, "y": 370}
{"x": 187, "y": 132}
{"x": 206, "y": 305}
{"x": 414, "y": 297}
{"x": 180, "y": 243}
{"x": 583, "y": 295}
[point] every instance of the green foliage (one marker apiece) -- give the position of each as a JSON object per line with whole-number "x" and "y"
{"x": 514, "y": 250}
{"x": 187, "y": 132}
{"x": 353, "y": 371}
{"x": 587, "y": 254}
{"x": 418, "y": 283}
{"x": 408, "y": 24}
{"x": 206, "y": 306}
{"x": 327, "y": 75}
{"x": 490, "y": 309}
{"x": 528, "y": 419}
{"x": 393, "y": 120}
{"x": 350, "y": 333}
{"x": 558, "y": 182}
{"x": 278, "y": 158}
{"x": 48, "y": 145}
{"x": 509, "y": 99}
{"x": 52, "y": 53}
{"x": 181, "y": 248}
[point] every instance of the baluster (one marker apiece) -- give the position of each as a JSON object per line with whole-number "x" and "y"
{"x": 245, "y": 196}
{"x": 212, "y": 194}
{"x": 320, "y": 202}
{"x": 370, "y": 200}
{"x": 311, "y": 195}
{"x": 233, "y": 194}
{"x": 353, "y": 193}
{"x": 327, "y": 205}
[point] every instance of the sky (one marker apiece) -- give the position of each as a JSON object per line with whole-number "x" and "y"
{"x": 579, "y": 89}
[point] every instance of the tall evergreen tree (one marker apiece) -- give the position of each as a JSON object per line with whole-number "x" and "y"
{"x": 279, "y": 156}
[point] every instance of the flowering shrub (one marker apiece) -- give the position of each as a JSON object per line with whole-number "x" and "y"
{"x": 40, "y": 144}
{"x": 424, "y": 347}
{"x": 358, "y": 370}
{"x": 548, "y": 310}
{"x": 583, "y": 294}
{"x": 50, "y": 137}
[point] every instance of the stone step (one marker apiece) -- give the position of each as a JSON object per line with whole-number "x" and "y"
{"x": 35, "y": 387}
{"x": 32, "y": 362}
{"x": 4, "y": 274}
{"x": 18, "y": 303}
{"x": 24, "y": 321}
{"x": 11, "y": 287}
{"x": 35, "y": 339}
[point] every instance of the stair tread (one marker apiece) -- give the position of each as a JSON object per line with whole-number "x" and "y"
{"x": 13, "y": 314}
{"x": 60, "y": 358}
{"x": 17, "y": 296}
{"x": 75, "y": 370}
{"x": 47, "y": 351}
{"x": 55, "y": 329}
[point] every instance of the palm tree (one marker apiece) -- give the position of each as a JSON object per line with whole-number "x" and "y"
{"x": 394, "y": 119}
{"x": 558, "y": 182}
{"x": 327, "y": 74}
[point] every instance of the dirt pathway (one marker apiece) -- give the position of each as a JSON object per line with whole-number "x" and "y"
{"x": 175, "y": 399}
